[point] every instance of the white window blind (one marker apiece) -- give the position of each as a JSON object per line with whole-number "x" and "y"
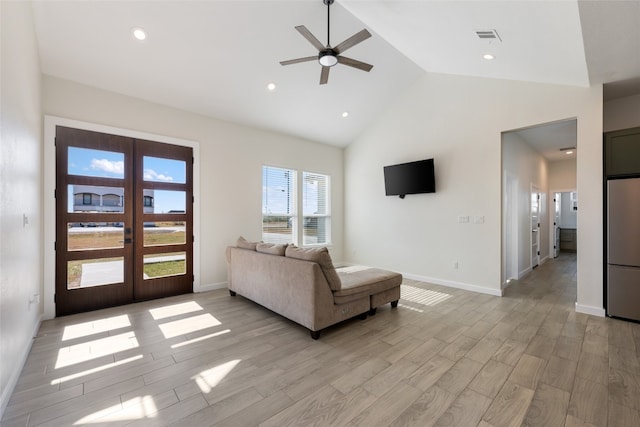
{"x": 315, "y": 209}
{"x": 278, "y": 205}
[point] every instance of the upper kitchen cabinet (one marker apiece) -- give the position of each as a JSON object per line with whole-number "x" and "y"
{"x": 622, "y": 153}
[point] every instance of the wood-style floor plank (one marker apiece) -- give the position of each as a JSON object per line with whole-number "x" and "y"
{"x": 455, "y": 359}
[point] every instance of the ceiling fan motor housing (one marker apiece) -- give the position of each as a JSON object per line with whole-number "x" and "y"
{"x": 328, "y": 57}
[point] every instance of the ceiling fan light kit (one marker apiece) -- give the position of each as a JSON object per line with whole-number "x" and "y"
{"x": 329, "y": 56}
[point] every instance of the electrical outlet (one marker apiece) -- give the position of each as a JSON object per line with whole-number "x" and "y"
{"x": 35, "y": 299}
{"x": 478, "y": 219}
{"x": 463, "y": 219}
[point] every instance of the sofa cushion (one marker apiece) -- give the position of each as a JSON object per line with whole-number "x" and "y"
{"x": 271, "y": 248}
{"x": 245, "y": 244}
{"x": 322, "y": 258}
{"x": 358, "y": 280}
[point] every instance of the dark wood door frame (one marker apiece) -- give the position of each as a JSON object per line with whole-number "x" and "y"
{"x": 134, "y": 286}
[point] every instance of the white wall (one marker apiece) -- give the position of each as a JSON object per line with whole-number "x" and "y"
{"x": 562, "y": 175}
{"x": 622, "y": 113}
{"x": 459, "y": 121}
{"x": 568, "y": 217}
{"x": 522, "y": 161}
{"x": 20, "y": 193}
{"x": 231, "y": 159}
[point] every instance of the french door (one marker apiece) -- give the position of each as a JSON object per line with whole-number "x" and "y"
{"x": 124, "y": 220}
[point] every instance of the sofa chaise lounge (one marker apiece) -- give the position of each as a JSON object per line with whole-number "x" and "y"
{"x": 302, "y": 284}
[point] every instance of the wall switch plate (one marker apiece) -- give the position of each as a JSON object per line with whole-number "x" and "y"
{"x": 479, "y": 219}
{"x": 463, "y": 219}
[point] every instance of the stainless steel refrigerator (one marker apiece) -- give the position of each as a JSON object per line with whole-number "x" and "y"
{"x": 623, "y": 248}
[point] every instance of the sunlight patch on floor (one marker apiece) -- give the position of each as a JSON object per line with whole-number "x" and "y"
{"x": 95, "y": 327}
{"x": 202, "y": 338}
{"x": 188, "y": 325}
{"x": 410, "y": 308}
{"x": 89, "y": 350}
{"x": 175, "y": 310}
{"x": 210, "y": 378}
{"x": 134, "y": 409}
{"x": 94, "y": 370}
{"x": 422, "y": 296}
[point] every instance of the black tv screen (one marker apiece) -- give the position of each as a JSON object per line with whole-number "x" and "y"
{"x": 410, "y": 178}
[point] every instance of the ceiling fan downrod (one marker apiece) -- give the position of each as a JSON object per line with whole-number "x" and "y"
{"x": 328, "y": 3}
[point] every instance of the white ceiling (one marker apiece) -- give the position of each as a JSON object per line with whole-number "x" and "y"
{"x": 216, "y": 57}
{"x": 549, "y": 138}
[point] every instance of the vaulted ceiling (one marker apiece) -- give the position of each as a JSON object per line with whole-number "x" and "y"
{"x": 216, "y": 57}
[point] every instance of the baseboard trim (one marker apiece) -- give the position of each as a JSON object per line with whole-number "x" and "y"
{"x": 506, "y": 284}
{"x": 210, "y": 287}
{"x": 13, "y": 380}
{"x": 524, "y": 272}
{"x": 452, "y": 284}
{"x": 587, "y": 309}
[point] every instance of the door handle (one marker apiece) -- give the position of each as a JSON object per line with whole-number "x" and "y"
{"x": 128, "y": 240}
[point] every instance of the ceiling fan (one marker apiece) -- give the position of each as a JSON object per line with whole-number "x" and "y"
{"x": 329, "y": 56}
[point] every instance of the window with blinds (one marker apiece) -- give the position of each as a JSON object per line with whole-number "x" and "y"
{"x": 278, "y": 205}
{"x": 316, "y": 217}
{"x": 285, "y": 218}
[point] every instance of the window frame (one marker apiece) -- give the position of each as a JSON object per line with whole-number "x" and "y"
{"x": 297, "y": 217}
{"x": 326, "y": 215}
{"x": 292, "y": 217}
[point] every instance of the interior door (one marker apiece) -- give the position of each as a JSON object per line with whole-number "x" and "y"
{"x": 124, "y": 229}
{"x": 535, "y": 227}
{"x": 557, "y": 200}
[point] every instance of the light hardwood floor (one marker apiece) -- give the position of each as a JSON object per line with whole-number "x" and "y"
{"x": 444, "y": 357}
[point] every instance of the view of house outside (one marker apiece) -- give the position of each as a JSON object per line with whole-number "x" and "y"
{"x": 92, "y": 235}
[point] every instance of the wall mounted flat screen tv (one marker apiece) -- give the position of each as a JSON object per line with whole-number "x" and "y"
{"x": 410, "y": 178}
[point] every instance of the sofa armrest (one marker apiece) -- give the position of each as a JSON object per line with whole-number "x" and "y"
{"x": 294, "y": 288}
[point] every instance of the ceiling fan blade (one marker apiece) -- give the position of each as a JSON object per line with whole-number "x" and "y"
{"x": 298, "y": 60}
{"x": 355, "y": 63}
{"x": 324, "y": 75}
{"x": 312, "y": 39}
{"x": 352, "y": 41}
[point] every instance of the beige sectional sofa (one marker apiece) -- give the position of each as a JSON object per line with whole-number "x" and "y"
{"x": 302, "y": 284}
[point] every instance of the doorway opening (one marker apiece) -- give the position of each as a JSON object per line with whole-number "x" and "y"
{"x": 565, "y": 222}
{"x": 536, "y": 161}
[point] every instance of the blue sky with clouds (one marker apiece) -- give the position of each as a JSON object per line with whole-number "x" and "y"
{"x": 108, "y": 164}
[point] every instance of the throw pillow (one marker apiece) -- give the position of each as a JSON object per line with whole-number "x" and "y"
{"x": 271, "y": 248}
{"x": 245, "y": 244}
{"x": 320, "y": 256}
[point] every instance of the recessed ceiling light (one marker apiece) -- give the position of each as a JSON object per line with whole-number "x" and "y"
{"x": 271, "y": 87}
{"x": 345, "y": 114}
{"x": 569, "y": 152}
{"x": 488, "y": 56}
{"x": 139, "y": 34}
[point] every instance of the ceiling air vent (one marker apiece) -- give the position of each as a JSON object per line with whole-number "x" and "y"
{"x": 488, "y": 35}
